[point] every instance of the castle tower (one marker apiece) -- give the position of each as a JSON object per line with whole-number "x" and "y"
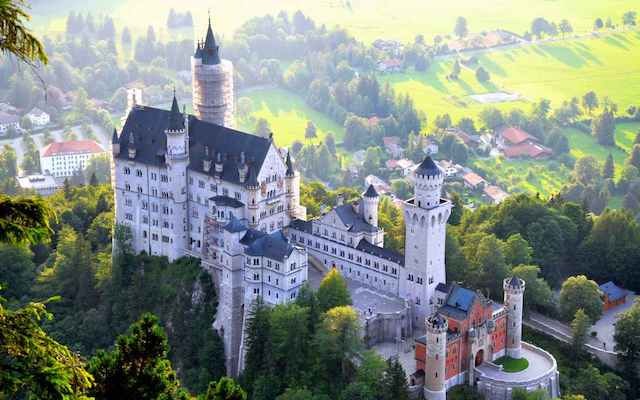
{"x": 425, "y": 218}
{"x": 230, "y": 314}
{"x": 292, "y": 187}
{"x": 436, "y": 357}
{"x": 513, "y": 302}
{"x": 253, "y": 187}
{"x": 177, "y": 159}
{"x": 212, "y": 81}
{"x": 115, "y": 152}
{"x": 370, "y": 201}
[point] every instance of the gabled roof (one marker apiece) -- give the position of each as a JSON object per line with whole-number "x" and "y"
{"x": 515, "y": 135}
{"x": 612, "y": 291}
{"x": 458, "y": 302}
{"x": 353, "y": 220}
{"x": 148, "y": 125}
{"x": 71, "y": 147}
{"x": 274, "y": 246}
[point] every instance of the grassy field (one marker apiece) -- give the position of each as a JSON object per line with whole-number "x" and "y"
{"x": 626, "y": 134}
{"x": 366, "y": 19}
{"x": 288, "y": 114}
{"x": 557, "y": 71}
{"x": 582, "y": 144}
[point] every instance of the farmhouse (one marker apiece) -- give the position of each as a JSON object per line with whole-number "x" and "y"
{"x": 516, "y": 143}
{"x": 468, "y": 139}
{"x": 473, "y": 181}
{"x": 495, "y": 194}
{"x": 38, "y": 117}
{"x": 392, "y": 145}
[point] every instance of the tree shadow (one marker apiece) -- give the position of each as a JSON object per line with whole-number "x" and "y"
{"x": 432, "y": 77}
{"x": 489, "y": 86}
{"x": 622, "y": 37}
{"x": 614, "y": 41}
{"x": 539, "y": 51}
{"x": 566, "y": 56}
{"x": 464, "y": 86}
{"x": 493, "y": 67}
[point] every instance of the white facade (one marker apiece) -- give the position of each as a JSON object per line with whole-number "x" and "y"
{"x": 65, "y": 159}
{"x": 8, "y": 121}
{"x": 44, "y": 185}
{"x": 38, "y": 117}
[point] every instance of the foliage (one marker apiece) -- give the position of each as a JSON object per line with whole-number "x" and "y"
{"x": 17, "y": 38}
{"x": 578, "y": 292}
{"x": 225, "y": 389}
{"x": 24, "y": 220}
{"x": 33, "y": 364}
{"x": 579, "y": 327}
{"x": 627, "y": 338}
{"x": 333, "y": 291}
{"x": 17, "y": 271}
{"x": 138, "y": 367}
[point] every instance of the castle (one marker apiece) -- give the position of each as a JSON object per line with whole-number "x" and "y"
{"x": 192, "y": 185}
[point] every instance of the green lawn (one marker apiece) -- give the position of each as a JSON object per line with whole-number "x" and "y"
{"x": 557, "y": 71}
{"x": 583, "y": 144}
{"x": 366, "y": 19}
{"x": 287, "y": 114}
{"x": 512, "y": 364}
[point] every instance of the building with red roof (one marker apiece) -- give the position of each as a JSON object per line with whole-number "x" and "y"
{"x": 64, "y": 159}
{"x": 516, "y": 143}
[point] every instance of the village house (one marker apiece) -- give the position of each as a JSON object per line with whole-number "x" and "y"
{"x": 64, "y": 159}
{"x": 392, "y": 145}
{"x": 495, "y": 194}
{"x": 44, "y": 185}
{"x": 390, "y": 65}
{"x": 467, "y": 138}
{"x": 38, "y": 117}
{"x": 378, "y": 184}
{"x": 404, "y": 165}
{"x": 473, "y": 181}
{"x": 516, "y": 143}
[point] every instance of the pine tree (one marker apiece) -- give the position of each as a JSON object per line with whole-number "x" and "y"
{"x": 394, "y": 383}
{"x": 93, "y": 181}
{"x": 257, "y": 334}
{"x": 608, "y": 171}
{"x": 634, "y": 157}
{"x": 579, "y": 327}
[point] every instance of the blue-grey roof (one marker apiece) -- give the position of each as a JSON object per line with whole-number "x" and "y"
{"x": 147, "y": 125}
{"x": 176, "y": 119}
{"x": 515, "y": 282}
{"x": 114, "y": 137}
{"x": 210, "y": 52}
{"x": 274, "y": 246}
{"x": 301, "y": 225}
{"x": 371, "y": 192}
{"x": 428, "y": 168}
{"x": 354, "y": 221}
{"x": 381, "y": 252}
{"x": 226, "y": 201}
{"x": 458, "y": 303}
{"x": 235, "y": 225}
{"x": 612, "y": 291}
{"x": 251, "y": 236}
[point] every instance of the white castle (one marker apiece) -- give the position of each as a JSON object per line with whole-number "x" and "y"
{"x": 190, "y": 185}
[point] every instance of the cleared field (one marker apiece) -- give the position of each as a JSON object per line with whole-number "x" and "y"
{"x": 557, "y": 71}
{"x": 366, "y": 19}
{"x": 582, "y": 144}
{"x": 288, "y": 114}
{"x": 626, "y": 134}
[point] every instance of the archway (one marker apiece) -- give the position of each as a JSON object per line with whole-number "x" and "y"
{"x": 479, "y": 357}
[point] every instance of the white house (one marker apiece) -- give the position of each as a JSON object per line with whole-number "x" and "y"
{"x": 64, "y": 159}
{"x": 44, "y": 185}
{"x": 38, "y": 117}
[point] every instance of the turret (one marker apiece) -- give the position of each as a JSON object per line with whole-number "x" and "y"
{"x": 253, "y": 188}
{"x": 176, "y": 132}
{"x": 292, "y": 187}
{"x": 436, "y": 357}
{"x": 115, "y": 144}
{"x": 428, "y": 184}
{"x": 513, "y": 302}
{"x": 370, "y": 201}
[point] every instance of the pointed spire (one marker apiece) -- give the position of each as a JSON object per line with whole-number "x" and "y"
{"x": 114, "y": 138}
{"x": 176, "y": 120}
{"x": 252, "y": 178}
{"x": 210, "y": 55}
{"x": 428, "y": 168}
{"x": 290, "y": 170}
{"x": 371, "y": 192}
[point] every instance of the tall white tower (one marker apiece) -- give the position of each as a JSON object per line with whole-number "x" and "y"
{"x": 513, "y": 302}
{"x": 434, "y": 385}
{"x": 177, "y": 160}
{"x": 370, "y": 202}
{"x": 212, "y": 82}
{"x": 426, "y": 218}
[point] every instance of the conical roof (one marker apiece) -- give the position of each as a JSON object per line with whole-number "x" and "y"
{"x": 371, "y": 192}
{"x": 515, "y": 282}
{"x": 210, "y": 54}
{"x": 428, "y": 168}
{"x": 176, "y": 121}
{"x": 290, "y": 170}
{"x": 114, "y": 138}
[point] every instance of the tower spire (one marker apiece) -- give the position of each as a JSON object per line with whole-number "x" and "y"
{"x": 210, "y": 54}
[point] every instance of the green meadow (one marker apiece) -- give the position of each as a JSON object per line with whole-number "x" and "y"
{"x": 287, "y": 115}
{"x": 609, "y": 65}
{"x": 366, "y": 19}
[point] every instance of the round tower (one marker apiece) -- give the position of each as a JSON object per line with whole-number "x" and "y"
{"x": 370, "y": 201}
{"x": 177, "y": 160}
{"x": 212, "y": 85}
{"x": 253, "y": 188}
{"x": 434, "y": 385}
{"x": 292, "y": 186}
{"x": 513, "y": 302}
{"x": 428, "y": 184}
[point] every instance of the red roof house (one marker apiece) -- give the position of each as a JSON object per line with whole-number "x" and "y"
{"x": 71, "y": 147}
